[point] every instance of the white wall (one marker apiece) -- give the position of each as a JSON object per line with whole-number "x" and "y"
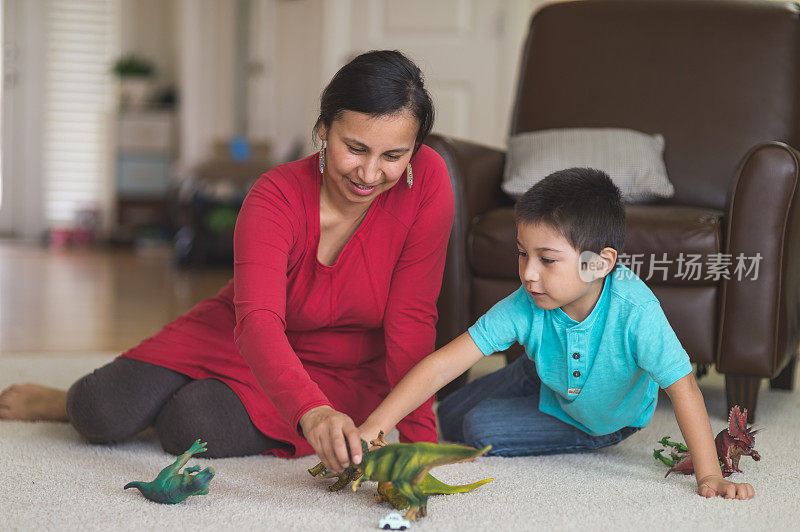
{"x": 205, "y": 77}
{"x": 298, "y": 74}
{"x": 313, "y": 41}
{"x": 149, "y": 28}
{"x": 262, "y": 101}
{"x": 297, "y": 46}
{"x": 23, "y": 36}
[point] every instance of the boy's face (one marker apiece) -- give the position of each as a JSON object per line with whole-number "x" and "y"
{"x": 549, "y": 268}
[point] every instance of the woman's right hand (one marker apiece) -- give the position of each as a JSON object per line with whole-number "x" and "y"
{"x": 330, "y": 432}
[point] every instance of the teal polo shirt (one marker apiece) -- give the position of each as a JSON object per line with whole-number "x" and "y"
{"x": 600, "y": 374}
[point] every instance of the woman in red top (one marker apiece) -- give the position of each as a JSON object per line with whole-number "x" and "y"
{"x": 338, "y": 261}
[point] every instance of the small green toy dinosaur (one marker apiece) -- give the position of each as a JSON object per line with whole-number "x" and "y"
{"x": 401, "y": 470}
{"x": 171, "y": 486}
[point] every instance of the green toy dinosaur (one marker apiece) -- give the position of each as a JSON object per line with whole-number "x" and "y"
{"x": 401, "y": 470}
{"x": 679, "y": 452}
{"x": 171, "y": 486}
{"x": 430, "y": 485}
{"x": 344, "y": 478}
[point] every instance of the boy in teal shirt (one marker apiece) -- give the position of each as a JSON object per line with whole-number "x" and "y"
{"x": 597, "y": 342}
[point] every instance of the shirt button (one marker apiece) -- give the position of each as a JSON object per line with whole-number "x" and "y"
{"x": 576, "y": 373}
{"x": 576, "y": 356}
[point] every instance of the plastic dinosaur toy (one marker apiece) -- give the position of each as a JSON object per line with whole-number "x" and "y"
{"x": 401, "y": 470}
{"x": 430, "y": 485}
{"x": 171, "y": 486}
{"x": 732, "y": 443}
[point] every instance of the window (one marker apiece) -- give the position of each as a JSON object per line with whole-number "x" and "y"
{"x": 81, "y": 41}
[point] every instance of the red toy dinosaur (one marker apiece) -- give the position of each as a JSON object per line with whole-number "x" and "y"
{"x": 732, "y": 443}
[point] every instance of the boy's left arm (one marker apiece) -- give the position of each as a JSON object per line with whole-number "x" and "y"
{"x": 690, "y": 412}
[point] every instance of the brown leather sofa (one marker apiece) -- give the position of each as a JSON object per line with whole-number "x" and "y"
{"x": 721, "y": 81}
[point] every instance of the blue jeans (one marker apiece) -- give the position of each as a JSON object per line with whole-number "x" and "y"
{"x": 502, "y": 410}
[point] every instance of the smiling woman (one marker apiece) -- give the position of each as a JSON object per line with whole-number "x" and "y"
{"x": 358, "y": 169}
{"x": 336, "y": 274}
{"x": 374, "y": 115}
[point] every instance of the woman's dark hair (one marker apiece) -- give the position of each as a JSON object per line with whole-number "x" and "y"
{"x": 583, "y": 204}
{"x": 378, "y": 83}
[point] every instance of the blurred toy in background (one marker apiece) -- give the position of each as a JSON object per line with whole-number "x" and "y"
{"x": 210, "y": 196}
{"x": 732, "y": 443}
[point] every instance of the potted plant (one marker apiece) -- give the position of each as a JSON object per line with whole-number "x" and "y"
{"x": 135, "y": 75}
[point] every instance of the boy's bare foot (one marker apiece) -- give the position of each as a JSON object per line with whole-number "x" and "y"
{"x": 31, "y": 402}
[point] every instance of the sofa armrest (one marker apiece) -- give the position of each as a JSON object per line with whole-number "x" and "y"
{"x": 760, "y": 315}
{"x": 475, "y": 173}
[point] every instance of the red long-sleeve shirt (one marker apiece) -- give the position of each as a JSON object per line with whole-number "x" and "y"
{"x": 290, "y": 333}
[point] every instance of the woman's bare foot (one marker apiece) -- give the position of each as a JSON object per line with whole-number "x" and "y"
{"x": 31, "y": 402}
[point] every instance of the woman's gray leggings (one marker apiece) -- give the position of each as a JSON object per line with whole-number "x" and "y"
{"x": 121, "y": 399}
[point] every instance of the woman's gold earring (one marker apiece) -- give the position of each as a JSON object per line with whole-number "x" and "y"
{"x": 410, "y": 178}
{"x": 322, "y": 157}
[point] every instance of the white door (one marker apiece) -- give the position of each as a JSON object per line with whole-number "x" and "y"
{"x": 8, "y": 75}
{"x": 468, "y": 51}
{"x": 22, "y": 109}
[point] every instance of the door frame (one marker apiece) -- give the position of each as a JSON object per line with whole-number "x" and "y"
{"x": 23, "y": 37}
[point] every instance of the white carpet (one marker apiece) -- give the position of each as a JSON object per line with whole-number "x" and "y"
{"x": 51, "y": 479}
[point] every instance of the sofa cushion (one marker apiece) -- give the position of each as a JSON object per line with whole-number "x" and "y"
{"x": 632, "y": 159}
{"x": 689, "y": 236}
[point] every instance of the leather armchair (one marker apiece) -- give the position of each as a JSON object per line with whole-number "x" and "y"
{"x": 721, "y": 81}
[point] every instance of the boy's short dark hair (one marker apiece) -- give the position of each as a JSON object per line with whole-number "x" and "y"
{"x": 581, "y": 203}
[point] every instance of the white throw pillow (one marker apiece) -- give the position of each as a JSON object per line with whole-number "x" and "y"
{"x": 631, "y": 158}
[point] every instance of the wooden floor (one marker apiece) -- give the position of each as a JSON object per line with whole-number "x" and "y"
{"x": 89, "y": 300}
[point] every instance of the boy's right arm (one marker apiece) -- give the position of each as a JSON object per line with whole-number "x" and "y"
{"x": 333, "y": 437}
{"x": 424, "y": 380}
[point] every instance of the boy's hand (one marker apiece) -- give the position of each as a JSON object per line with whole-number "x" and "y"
{"x": 715, "y": 485}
